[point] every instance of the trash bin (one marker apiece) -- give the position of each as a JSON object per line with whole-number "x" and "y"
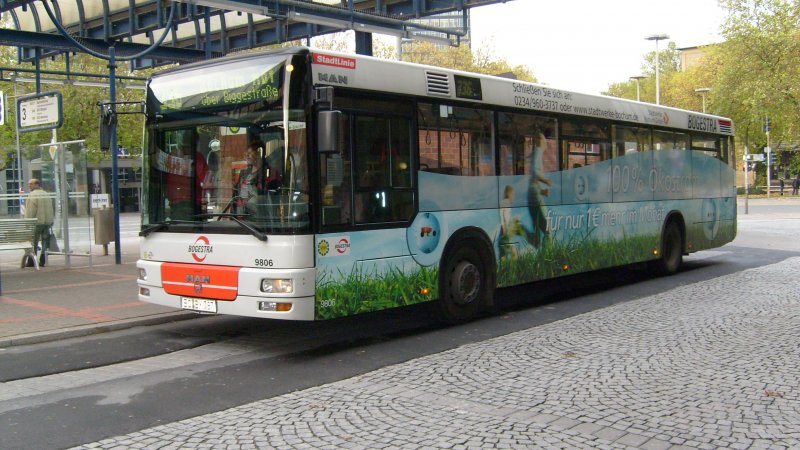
{"x": 103, "y": 219}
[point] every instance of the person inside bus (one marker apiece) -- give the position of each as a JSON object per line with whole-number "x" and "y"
{"x": 255, "y": 179}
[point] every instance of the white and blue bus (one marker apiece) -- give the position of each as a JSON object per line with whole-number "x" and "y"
{"x": 302, "y": 184}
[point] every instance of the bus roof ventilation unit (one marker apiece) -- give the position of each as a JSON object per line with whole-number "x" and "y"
{"x": 438, "y": 83}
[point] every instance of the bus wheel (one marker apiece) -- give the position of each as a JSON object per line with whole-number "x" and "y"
{"x": 671, "y": 250}
{"x": 464, "y": 285}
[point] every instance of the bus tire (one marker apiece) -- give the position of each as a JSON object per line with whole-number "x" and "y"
{"x": 671, "y": 250}
{"x": 465, "y": 284}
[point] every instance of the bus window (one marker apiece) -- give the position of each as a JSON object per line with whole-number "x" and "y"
{"x": 456, "y": 140}
{"x": 180, "y": 168}
{"x": 707, "y": 144}
{"x": 629, "y": 140}
{"x": 518, "y": 134}
{"x": 382, "y": 161}
{"x": 584, "y": 143}
{"x": 335, "y": 180}
{"x": 725, "y": 144}
{"x": 668, "y": 140}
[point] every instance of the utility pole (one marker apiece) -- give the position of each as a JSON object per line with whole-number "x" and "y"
{"x": 746, "y": 177}
{"x": 767, "y": 128}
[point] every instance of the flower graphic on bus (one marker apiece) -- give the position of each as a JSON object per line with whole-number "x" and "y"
{"x": 323, "y": 247}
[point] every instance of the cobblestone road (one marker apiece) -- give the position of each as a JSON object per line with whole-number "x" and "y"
{"x": 708, "y": 365}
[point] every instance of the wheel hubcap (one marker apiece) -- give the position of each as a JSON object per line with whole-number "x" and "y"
{"x": 467, "y": 283}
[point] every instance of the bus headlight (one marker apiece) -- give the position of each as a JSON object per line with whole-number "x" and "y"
{"x": 277, "y": 286}
{"x": 142, "y": 274}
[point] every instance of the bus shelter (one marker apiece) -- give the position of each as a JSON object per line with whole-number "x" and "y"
{"x": 62, "y": 169}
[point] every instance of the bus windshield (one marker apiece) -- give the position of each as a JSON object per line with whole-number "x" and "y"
{"x": 226, "y": 148}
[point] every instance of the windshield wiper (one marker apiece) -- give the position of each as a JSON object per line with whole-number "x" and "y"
{"x": 235, "y": 217}
{"x": 165, "y": 224}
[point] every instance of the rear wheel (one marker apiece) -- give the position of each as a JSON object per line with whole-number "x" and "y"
{"x": 465, "y": 286}
{"x": 671, "y": 250}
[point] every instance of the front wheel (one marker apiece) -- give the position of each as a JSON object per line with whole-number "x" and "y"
{"x": 464, "y": 285}
{"x": 671, "y": 251}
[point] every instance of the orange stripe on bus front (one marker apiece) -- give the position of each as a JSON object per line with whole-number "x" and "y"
{"x": 201, "y": 281}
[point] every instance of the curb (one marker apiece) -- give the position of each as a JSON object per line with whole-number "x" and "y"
{"x": 86, "y": 330}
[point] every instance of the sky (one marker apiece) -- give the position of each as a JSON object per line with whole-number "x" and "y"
{"x": 585, "y": 45}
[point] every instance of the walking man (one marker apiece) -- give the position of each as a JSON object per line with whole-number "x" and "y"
{"x": 39, "y": 206}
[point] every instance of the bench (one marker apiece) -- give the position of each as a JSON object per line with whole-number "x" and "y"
{"x": 17, "y": 234}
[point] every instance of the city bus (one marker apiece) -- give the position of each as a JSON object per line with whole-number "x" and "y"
{"x": 306, "y": 184}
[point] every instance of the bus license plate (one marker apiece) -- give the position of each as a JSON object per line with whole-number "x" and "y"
{"x": 199, "y": 304}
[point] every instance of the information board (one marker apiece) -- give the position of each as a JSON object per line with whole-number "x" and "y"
{"x": 39, "y": 112}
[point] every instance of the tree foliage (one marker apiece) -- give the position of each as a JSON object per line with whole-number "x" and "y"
{"x": 759, "y": 68}
{"x": 80, "y": 107}
{"x": 463, "y": 57}
{"x": 753, "y": 74}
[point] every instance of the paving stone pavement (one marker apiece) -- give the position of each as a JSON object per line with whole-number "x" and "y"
{"x": 708, "y": 365}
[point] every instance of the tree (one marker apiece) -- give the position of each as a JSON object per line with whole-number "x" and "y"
{"x": 423, "y": 52}
{"x": 759, "y": 72}
{"x": 464, "y": 58}
{"x": 753, "y": 74}
{"x": 81, "y": 113}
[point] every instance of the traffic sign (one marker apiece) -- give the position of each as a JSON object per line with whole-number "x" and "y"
{"x": 39, "y": 112}
{"x": 756, "y": 157}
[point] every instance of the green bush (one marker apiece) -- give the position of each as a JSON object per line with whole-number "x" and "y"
{"x": 754, "y": 190}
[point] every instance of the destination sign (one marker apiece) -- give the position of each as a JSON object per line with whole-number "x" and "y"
{"x": 252, "y": 83}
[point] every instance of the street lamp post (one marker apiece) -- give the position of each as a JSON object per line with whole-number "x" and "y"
{"x": 637, "y": 78}
{"x": 703, "y": 92}
{"x": 657, "y": 37}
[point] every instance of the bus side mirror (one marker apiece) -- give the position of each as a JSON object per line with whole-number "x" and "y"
{"x": 328, "y": 131}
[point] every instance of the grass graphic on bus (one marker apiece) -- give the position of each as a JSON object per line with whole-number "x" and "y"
{"x": 345, "y": 291}
{"x": 558, "y": 258}
{"x": 364, "y": 291}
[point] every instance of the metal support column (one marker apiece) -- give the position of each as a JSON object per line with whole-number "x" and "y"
{"x": 112, "y": 74}
{"x": 63, "y": 188}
